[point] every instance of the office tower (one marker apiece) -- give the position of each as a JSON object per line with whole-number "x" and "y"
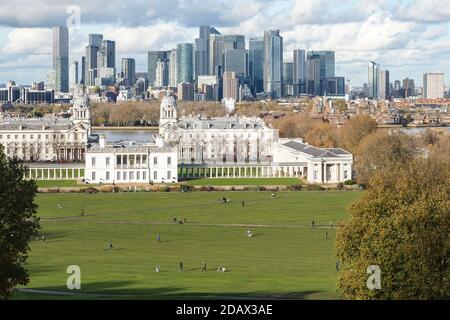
{"x": 83, "y": 70}
{"x": 128, "y": 69}
{"x": 230, "y": 86}
{"x": 61, "y": 58}
{"x": 397, "y": 85}
{"x": 256, "y": 63}
{"x": 313, "y": 75}
{"x": 202, "y": 50}
{"x": 236, "y": 61}
{"x": 273, "y": 63}
{"x": 327, "y": 62}
{"x": 433, "y": 85}
{"x": 408, "y": 88}
{"x": 374, "y": 80}
{"x": 50, "y": 82}
{"x": 153, "y": 58}
{"x": 218, "y": 45}
{"x": 186, "y": 91}
{"x": 106, "y": 55}
{"x": 384, "y": 85}
{"x": 95, "y": 40}
{"x": 162, "y": 74}
{"x": 288, "y": 73}
{"x": 73, "y": 74}
{"x": 90, "y": 64}
{"x": 185, "y": 68}
{"x": 299, "y": 72}
{"x": 333, "y": 86}
{"x": 173, "y": 78}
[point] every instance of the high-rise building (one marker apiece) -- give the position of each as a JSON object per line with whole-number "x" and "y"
{"x": 235, "y": 60}
{"x": 218, "y": 45}
{"x": 185, "y": 68}
{"x": 83, "y": 70}
{"x": 95, "y": 40}
{"x": 106, "y": 55}
{"x": 327, "y": 62}
{"x": 273, "y": 63}
{"x": 433, "y": 85}
{"x": 313, "y": 84}
{"x": 153, "y": 58}
{"x": 230, "y": 86}
{"x": 73, "y": 74}
{"x": 201, "y": 54}
{"x": 333, "y": 86}
{"x": 408, "y": 88}
{"x": 162, "y": 74}
{"x": 128, "y": 71}
{"x": 288, "y": 78}
{"x": 61, "y": 58}
{"x": 256, "y": 63}
{"x": 374, "y": 80}
{"x": 384, "y": 85}
{"x": 91, "y": 63}
{"x": 186, "y": 91}
{"x": 299, "y": 72}
{"x": 173, "y": 78}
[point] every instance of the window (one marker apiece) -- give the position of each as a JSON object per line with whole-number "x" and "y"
{"x": 124, "y": 159}
{"x": 118, "y": 175}
{"x": 138, "y": 159}
{"x": 169, "y": 160}
{"x": 155, "y": 160}
{"x": 155, "y": 175}
{"x": 124, "y": 175}
{"x": 131, "y": 175}
{"x": 107, "y": 162}
{"x": 169, "y": 175}
{"x": 315, "y": 175}
{"x": 138, "y": 175}
{"x": 144, "y": 175}
{"x": 93, "y": 175}
{"x": 107, "y": 175}
{"x": 119, "y": 160}
{"x": 93, "y": 161}
{"x": 345, "y": 174}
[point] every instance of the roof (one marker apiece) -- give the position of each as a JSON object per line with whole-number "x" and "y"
{"x": 35, "y": 124}
{"x": 316, "y": 152}
{"x": 221, "y": 123}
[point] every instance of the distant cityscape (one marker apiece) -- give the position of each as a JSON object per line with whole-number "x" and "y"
{"x": 216, "y": 67}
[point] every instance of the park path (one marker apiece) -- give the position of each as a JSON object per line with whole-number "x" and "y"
{"x": 226, "y": 225}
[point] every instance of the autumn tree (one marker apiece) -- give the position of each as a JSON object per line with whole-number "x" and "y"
{"x": 382, "y": 149}
{"x": 401, "y": 224}
{"x": 19, "y": 224}
{"x": 355, "y": 130}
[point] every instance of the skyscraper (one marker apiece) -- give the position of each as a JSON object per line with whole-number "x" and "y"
{"x": 218, "y": 45}
{"x": 374, "y": 80}
{"x": 313, "y": 83}
{"x": 129, "y": 71}
{"x": 384, "y": 85}
{"x": 433, "y": 85}
{"x": 256, "y": 63}
{"x": 202, "y": 50}
{"x": 273, "y": 63}
{"x": 153, "y": 58}
{"x": 83, "y": 70}
{"x": 106, "y": 55}
{"x": 230, "y": 86}
{"x": 185, "y": 68}
{"x": 73, "y": 74}
{"x": 235, "y": 60}
{"x": 327, "y": 66}
{"x": 61, "y": 58}
{"x": 91, "y": 64}
{"x": 299, "y": 72}
{"x": 173, "y": 78}
{"x": 162, "y": 74}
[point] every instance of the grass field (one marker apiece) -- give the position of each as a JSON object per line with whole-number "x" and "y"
{"x": 285, "y": 258}
{"x": 246, "y": 182}
{"x": 56, "y": 183}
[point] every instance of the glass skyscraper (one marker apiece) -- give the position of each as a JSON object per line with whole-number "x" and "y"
{"x": 153, "y": 58}
{"x": 129, "y": 71}
{"x": 61, "y": 58}
{"x": 256, "y": 63}
{"x": 374, "y": 80}
{"x": 273, "y": 64}
{"x": 185, "y": 67}
{"x": 299, "y": 72}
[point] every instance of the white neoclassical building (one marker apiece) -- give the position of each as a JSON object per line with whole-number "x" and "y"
{"x": 47, "y": 139}
{"x": 131, "y": 162}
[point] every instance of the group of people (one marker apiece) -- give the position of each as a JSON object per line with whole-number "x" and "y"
{"x": 204, "y": 267}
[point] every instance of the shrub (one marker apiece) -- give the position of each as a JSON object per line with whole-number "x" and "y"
{"x": 340, "y": 186}
{"x": 349, "y": 182}
{"x": 296, "y": 187}
{"x": 314, "y": 187}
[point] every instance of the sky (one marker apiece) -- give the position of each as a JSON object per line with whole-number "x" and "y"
{"x": 406, "y": 37}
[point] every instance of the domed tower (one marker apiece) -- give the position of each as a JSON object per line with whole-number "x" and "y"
{"x": 80, "y": 111}
{"x": 168, "y": 113}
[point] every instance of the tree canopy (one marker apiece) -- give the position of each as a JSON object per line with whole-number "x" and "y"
{"x": 19, "y": 224}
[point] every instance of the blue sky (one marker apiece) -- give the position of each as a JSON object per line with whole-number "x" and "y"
{"x": 407, "y": 37}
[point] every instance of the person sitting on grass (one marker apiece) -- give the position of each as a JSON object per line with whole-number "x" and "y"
{"x": 273, "y": 195}
{"x": 158, "y": 269}
{"x": 109, "y": 246}
{"x": 249, "y": 233}
{"x": 221, "y": 269}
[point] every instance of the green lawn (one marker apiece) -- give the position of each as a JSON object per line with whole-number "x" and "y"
{"x": 285, "y": 257}
{"x": 56, "y": 183}
{"x": 246, "y": 182}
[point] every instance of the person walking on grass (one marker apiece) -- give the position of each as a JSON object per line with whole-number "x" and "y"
{"x": 243, "y": 203}
{"x": 204, "y": 265}
{"x": 158, "y": 238}
{"x": 326, "y": 235}
{"x": 181, "y": 266}
{"x": 312, "y": 223}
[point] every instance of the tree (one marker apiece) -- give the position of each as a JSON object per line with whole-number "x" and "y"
{"x": 19, "y": 224}
{"x": 402, "y": 224}
{"x": 355, "y": 130}
{"x": 382, "y": 149}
